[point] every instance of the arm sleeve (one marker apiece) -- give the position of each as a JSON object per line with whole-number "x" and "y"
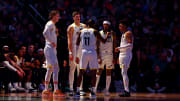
{"x": 124, "y": 48}
{"x": 9, "y": 66}
{"x": 46, "y": 32}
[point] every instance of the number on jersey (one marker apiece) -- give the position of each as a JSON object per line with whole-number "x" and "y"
{"x": 86, "y": 41}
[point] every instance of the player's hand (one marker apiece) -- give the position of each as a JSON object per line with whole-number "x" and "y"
{"x": 70, "y": 57}
{"x": 20, "y": 74}
{"x": 116, "y": 50}
{"x": 53, "y": 44}
{"x": 77, "y": 60}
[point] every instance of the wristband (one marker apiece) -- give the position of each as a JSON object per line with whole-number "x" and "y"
{"x": 70, "y": 53}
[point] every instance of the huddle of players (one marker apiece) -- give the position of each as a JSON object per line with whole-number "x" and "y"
{"x": 93, "y": 49}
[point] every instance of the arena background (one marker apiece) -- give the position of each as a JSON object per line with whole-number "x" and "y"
{"x": 155, "y": 25}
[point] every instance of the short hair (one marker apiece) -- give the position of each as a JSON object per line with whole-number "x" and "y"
{"x": 91, "y": 22}
{"x": 53, "y": 13}
{"x": 124, "y": 22}
{"x": 75, "y": 13}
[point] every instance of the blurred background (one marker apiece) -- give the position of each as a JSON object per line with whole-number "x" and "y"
{"x": 155, "y": 24}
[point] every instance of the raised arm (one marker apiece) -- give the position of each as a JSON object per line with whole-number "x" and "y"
{"x": 99, "y": 36}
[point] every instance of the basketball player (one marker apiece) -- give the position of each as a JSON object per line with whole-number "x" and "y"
{"x": 50, "y": 54}
{"x": 125, "y": 55}
{"x": 106, "y": 55}
{"x": 72, "y": 38}
{"x": 87, "y": 37}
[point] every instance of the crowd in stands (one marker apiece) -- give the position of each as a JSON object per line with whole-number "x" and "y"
{"x": 155, "y": 25}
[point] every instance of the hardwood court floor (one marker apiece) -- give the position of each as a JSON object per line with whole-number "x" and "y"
{"x": 99, "y": 97}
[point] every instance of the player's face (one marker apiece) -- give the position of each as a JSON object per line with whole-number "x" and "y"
{"x": 121, "y": 27}
{"x": 77, "y": 18}
{"x": 105, "y": 26}
{"x": 56, "y": 17}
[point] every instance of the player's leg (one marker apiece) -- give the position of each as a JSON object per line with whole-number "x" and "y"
{"x": 93, "y": 65}
{"x": 108, "y": 81}
{"x": 124, "y": 65}
{"x": 83, "y": 64}
{"x": 109, "y": 66}
{"x": 71, "y": 74}
{"x": 125, "y": 82}
{"x": 98, "y": 75}
{"x": 49, "y": 71}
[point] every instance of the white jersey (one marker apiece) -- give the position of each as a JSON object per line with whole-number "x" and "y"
{"x": 106, "y": 51}
{"x": 126, "y": 55}
{"x": 124, "y": 43}
{"x": 88, "y": 39}
{"x": 106, "y": 47}
{"x": 50, "y": 33}
{"x": 75, "y": 36}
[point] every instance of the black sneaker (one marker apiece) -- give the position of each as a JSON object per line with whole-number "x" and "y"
{"x": 125, "y": 94}
{"x": 77, "y": 94}
{"x": 71, "y": 93}
{"x": 82, "y": 93}
{"x": 93, "y": 94}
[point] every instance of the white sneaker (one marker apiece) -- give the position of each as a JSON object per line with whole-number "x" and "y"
{"x": 12, "y": 89}
{"x": 28, "y": 86}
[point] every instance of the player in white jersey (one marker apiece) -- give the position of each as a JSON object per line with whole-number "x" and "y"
{"x": 50, "y": 52}
{"x": 106, "y": 55}
{"x": 72, "y": 31}
{"x": 88, "y": 37}
{"x": 125, "y": 55}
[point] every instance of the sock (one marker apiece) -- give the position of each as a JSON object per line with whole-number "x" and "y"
{"x": 55, "y": 85}
{"x": 97, "y": 81}
{"x": 78, "y": 89}
{"x": 71, "y": 76}
{"x": 81, "y": 86}
{"x": 93, "y": 89}
{"x": 15, "y": 84}
{"x": 125, "y": 79}
{"x": 55, "y": 76}
{"x": 108, "y": 82}
{"x": 47, "y": 79}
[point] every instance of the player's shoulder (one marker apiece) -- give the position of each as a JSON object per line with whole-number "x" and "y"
{"x": 83, "y": 25}
{"x": 71, "y": 26}
{"x": 49, "y": 24}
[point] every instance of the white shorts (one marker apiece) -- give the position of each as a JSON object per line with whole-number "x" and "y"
{"x": 89, "y": 56}
{"x": 50, "y": 55}
{"x": 125, "y": 60}
{"x": 107, "y": 59}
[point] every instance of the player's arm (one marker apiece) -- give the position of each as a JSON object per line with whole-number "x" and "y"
{"x": 99, "y": 36}
{"x": 129, "y": 38}
{"x": 70, "y": 31}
